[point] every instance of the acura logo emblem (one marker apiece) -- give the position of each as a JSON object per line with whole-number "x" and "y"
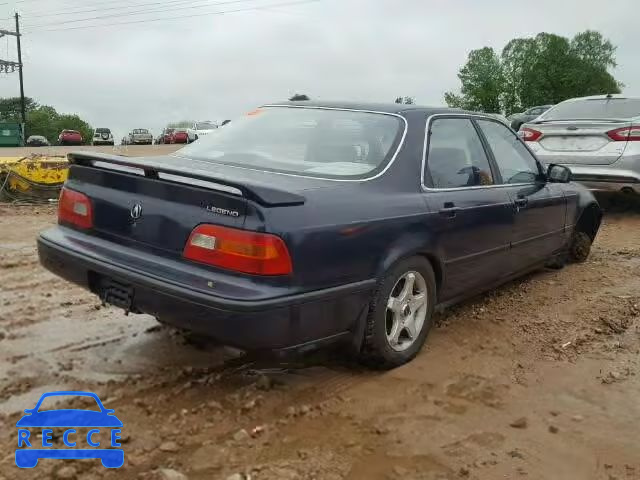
{"x": 136, "y": 211}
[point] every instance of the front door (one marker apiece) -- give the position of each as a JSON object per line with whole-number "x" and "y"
{"x": 471, "y": 217}
{"x": 539, "y": 227}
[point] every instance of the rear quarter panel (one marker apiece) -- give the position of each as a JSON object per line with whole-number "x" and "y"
{"x": 349, "y": 234}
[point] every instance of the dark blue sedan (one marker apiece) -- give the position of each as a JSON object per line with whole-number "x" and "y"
{"x": 307, "y": 223}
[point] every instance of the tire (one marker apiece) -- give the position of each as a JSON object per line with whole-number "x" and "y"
{"x": 379, "y": 348}
{"x": 579, "y": 247}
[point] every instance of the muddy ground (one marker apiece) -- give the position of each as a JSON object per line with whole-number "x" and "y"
{"x": 537, "y": 380}
{"x": 56, "y": 150}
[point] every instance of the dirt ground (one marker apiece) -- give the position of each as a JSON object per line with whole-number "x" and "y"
{"x": 130, "y": 150}
{"x": 535, "y": 380}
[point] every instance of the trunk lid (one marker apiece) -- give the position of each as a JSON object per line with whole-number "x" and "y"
{"x": 155, "y": 203}
{"x": 578, "y": 141}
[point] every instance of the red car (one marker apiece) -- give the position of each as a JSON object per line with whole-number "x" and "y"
{"x": 70, "y": 137}
{"x": 179, "y": 136}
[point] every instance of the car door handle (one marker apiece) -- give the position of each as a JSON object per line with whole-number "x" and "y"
{"x": 449, "y": 212}
{"x": 521, "y": 202}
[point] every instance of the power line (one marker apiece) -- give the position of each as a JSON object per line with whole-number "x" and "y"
{"x": 142, "y": 12}
{"x": 300, "y": 2}
{"x": 55, "y": 13}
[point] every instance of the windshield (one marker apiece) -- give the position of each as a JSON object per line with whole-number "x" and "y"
{"x": 601, "y": 108}
{"x": 57, "y": 402}
{"x": 306, "y": 141}
{"x": 205, "y": 126}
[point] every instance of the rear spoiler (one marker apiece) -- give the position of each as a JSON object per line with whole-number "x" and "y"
{"x": 153, "y": 167}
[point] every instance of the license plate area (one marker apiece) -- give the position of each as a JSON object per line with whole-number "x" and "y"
{"x": 116, "y": 293}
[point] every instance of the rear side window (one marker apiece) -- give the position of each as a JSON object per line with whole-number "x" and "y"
{"x": 456, "y": 157}
{"x": 514, "y": 161}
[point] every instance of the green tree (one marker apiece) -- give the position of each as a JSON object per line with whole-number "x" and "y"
{"x": 10, "y": 109}
{"x": 482, "y": 83}
{"x": 43, "y": 121}
{"x": 545, "y": 69}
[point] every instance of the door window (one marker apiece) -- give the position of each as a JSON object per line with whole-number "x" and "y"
{"x": 515, "y": 162}
{"x": 456, "y": 157}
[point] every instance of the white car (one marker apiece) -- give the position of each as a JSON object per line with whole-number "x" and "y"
{"x": 200, "y": 129}
{"x": 102, "y": 136}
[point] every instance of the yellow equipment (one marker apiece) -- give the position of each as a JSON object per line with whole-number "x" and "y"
{"x": 32, "y": 178}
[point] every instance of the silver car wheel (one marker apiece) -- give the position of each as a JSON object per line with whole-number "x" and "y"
{"x": 406, "y": 310}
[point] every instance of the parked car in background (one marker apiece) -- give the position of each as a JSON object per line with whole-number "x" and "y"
{"x": 37, "y": 141}
{"x": 165, "y": 136}
{"x": 179, "y": 135}
{"x": 102, "y": 136}
{"x": 140, "y": 136}
{"x": 597, "y": 137}
{"x": 308, "y": 224}
{"x": 70, "y": 137}
{"x": 200, "y": 129}
{"x": 499, "y": 117}
{"x": 517, "y": 119}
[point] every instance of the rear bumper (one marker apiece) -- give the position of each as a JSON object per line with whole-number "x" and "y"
{"x": 102, "y": 142}
{"x": 605, "y": 179}
{"x": 279, "y": 322}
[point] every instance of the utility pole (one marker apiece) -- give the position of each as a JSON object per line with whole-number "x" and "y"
{"x": 5, "y": 65}
{"x": 22, "y": 106}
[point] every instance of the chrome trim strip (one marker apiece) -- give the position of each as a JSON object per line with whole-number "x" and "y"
{"x": 366, "y": 179}
{"x": 537, "y": 237}
{"x": 500, "y": 248}
{"x": 194, "y": 182}
{"x": 424, "y": 155}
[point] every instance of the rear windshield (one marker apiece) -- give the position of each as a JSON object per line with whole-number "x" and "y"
{"x": 305, "y": 141}
{"x": 205, "y": 126}
{"x": 103, "y": 130}
{"x": 141, "y": 130}
{"x": 596, "y": 109}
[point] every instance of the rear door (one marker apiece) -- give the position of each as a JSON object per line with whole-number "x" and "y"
{"x": 538, "y": 230}
{"x": 472, "y": 217}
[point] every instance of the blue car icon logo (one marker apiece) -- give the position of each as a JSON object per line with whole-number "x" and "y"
{"x": 74, "y": 422}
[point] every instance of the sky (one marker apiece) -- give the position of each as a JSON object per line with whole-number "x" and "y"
{"x": 229, "y": 56}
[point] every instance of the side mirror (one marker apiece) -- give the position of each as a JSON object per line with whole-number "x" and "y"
{"x": 558, "y": 174}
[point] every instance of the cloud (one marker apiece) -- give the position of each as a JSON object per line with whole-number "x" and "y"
{"x": 219, "y": 66}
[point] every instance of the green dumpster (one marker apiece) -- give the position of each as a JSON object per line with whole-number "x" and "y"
{"x": 10, "y": 134}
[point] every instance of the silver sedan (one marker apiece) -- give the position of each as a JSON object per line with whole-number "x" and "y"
{"x": 597, "y": 137}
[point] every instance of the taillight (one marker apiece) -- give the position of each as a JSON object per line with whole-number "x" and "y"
{"x": 529, "y": 134}
{"x": 238, "y": 250}
{"x": 75, "y": 208}
{"x": 625, "y": 134}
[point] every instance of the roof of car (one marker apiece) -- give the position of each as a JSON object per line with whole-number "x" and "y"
{"x": 373, "y": 107}
{"x": 603, "y": 97}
